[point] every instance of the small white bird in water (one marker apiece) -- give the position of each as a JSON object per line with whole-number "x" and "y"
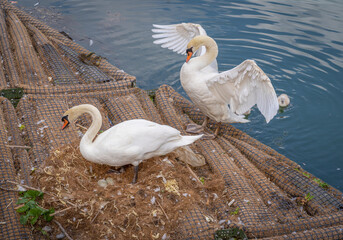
{"x": 128, "y": 142}
{"x": 283, "y": 100}
{"x": 241, "y": 87}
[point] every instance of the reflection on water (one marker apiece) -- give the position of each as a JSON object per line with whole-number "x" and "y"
{"x": 299, "y": 44}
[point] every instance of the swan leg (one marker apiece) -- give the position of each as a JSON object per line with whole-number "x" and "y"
{"x": 208, "y": 136}
{"x": 135, "y": 174}
{"x": 217, "y": 129}
{"x": 194, "y": 128}
{"x": 204, "y": 124}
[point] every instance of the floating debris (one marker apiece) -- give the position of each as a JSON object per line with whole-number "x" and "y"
{"x": 283, "y": 100}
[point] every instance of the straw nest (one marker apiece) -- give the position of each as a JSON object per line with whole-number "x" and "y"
{"x": 91, "y": 202}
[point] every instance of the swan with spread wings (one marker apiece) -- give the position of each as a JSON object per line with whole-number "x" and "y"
{"x": 225, "y": 96}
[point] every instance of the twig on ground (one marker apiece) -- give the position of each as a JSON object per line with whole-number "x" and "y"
{"x": 193, "y": 173}
{"x": 9, "y": 203}
{"x": 8, "y": 189}
{"x": 61, "y": 211}
{"x": 100, "y": 210}
{"x": 162, "y": 209}
{"x": 95, "y": 216}
{"x": 25, "y": 186}
{"x": 62, "y": 229}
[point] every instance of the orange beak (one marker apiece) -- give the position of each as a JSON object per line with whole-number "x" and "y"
{"x": 189, "y": 55}
{"x": 65, "y": 122}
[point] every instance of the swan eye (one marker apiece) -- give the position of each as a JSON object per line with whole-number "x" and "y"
{"x": 189, "y": 50}
{"x": 65, "y": 118}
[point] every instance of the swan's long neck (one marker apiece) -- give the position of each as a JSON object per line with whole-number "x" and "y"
{"x": 210, "y": 55}
{"x": 89, "y": 136}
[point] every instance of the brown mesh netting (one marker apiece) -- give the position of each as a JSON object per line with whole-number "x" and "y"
{"x": 36, "y": 55}
{"x": 268, "y": 187}
{"x": 14, "y": 166}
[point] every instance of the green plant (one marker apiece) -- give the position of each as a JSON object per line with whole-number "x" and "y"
{"x": 306, "y": 175}
{"x": 321, "y": 183}
{"x": 230, "y": 234}
{"x": 308, "y": 197}
{"x": 202, "y": 180}
{"x": 13, "y": 94}
{"x": 30, "y": 210}
{"x": 235, "y": 212}
{"x": 303, "y": 173}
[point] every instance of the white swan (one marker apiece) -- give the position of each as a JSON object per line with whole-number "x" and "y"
{"x": 241, "y": 87}
{"x": 128, "y": 142}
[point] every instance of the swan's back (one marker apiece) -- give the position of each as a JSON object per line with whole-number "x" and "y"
{"x": 139, "y": 139}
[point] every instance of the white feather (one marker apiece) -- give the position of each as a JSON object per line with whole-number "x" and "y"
{"x": 244, "y": 86}
{"x": 176, "y": 37}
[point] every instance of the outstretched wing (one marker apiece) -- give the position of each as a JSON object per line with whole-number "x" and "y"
{"x": 244, "y": 86}
{"x": 176, "y": 37}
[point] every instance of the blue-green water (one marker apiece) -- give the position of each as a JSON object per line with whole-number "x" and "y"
{"x": 299, "y": 44}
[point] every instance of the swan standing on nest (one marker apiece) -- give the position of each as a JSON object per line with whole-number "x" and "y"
{"x": 241, "y": 87}
{"x": 128, "y": 142}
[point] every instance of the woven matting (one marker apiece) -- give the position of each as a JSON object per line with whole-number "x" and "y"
{"x": 14, "y": 166}
{"x": 39, "y": 58}
{"x": 265, "y": 183}
{"x": 266, "y": 186}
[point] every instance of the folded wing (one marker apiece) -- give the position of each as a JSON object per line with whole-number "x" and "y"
{"x": 244, "y": 86}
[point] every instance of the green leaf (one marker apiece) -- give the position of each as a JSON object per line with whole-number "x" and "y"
{"x": 35, "y": 212}
{"x": 23, "y": 219}
{"x": 31, "y": 204}
{"x": 22, "y": 200}
{"x": 42, "y": 209}
{"x": 34, "y": 220}
{"x": 202, "y": 180}
{"x": 235, "y": 212}
{"x": 33, "y": 194}
{"x": 47, "y": 217}
{"x": 23, "y": 209}
{"x": 230, "y": 234}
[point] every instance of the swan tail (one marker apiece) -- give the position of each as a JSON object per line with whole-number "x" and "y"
{"x": 186, "y": 140}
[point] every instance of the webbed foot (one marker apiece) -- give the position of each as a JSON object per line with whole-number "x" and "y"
{"x": 208, "y": 136}
{"x": 194, "y": 128}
